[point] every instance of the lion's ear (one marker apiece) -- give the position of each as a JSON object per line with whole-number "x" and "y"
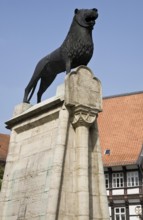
{"x": 75, "y": 11}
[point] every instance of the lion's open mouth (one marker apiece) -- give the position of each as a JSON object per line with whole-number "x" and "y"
{"x": 90, "y": 19}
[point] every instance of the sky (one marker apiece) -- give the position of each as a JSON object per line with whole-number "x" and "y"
{"x": 31, "y": 29}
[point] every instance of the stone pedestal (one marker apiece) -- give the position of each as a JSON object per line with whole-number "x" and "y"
{"x": 54, "y": 167}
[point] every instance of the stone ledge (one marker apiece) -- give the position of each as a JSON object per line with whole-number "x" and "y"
{"x": 35, "y": 111}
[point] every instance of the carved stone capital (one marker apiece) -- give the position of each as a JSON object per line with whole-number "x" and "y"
{"x": 83, "y": 116}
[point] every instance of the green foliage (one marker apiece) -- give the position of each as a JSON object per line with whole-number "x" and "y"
{"x": 1, "y": 174}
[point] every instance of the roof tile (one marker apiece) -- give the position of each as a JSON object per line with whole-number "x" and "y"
{"x": 121, "y": 129}
{"x": 4, "y": 142}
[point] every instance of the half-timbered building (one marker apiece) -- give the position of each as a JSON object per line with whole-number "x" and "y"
{"x": 121, "y": 137}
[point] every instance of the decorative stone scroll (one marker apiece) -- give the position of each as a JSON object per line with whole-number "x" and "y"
{"x": 83, "y": 116}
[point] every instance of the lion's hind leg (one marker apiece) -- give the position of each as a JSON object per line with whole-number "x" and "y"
{"x": 46, "y": 81}
{"x": 29, "y": 90}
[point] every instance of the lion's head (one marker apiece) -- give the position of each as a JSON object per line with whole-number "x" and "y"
{"x": 86, "y": 17}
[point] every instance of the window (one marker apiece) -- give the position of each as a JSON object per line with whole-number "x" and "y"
{"x": 132, "y": 179}
{"x": 120, "y": 213}
{"x": 107, "y": 181}
{"x": 117, "y": 180}
{"x": 107, "y": 151}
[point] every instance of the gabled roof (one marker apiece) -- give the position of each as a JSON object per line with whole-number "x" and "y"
{"x": 121, "y": 129}
{"x": 4, "y": 142}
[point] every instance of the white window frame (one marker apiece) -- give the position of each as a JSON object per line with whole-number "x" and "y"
{"x": 120, "y": 213}
{"x": 132, "y": 179}
{"x": 107, "y": 180}
{"x": 118, "y": 180}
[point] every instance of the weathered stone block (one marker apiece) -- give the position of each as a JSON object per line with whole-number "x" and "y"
{"x": 54, "y": 168}
{"x": 83, "y": 88}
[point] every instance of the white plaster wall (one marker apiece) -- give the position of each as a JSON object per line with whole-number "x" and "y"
{"x": 130, "y": 167}
{"x": 133, "y": 191}
{"x": 110, "y": 211}
{"x": 134, "y": 201}
{"x": 119, "y": 201}
{"x": 118, "y": 192}
{"x": 117, "y": 168}
{"x": 132, "y": 209}
{"x": 107, "y": 192}
{"x": 134, "y": 218}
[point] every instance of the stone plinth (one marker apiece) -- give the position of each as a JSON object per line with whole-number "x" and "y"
{"x": 54, "y": 168}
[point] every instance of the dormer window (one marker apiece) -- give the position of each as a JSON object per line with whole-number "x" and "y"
{"x": 107, "y": 152}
